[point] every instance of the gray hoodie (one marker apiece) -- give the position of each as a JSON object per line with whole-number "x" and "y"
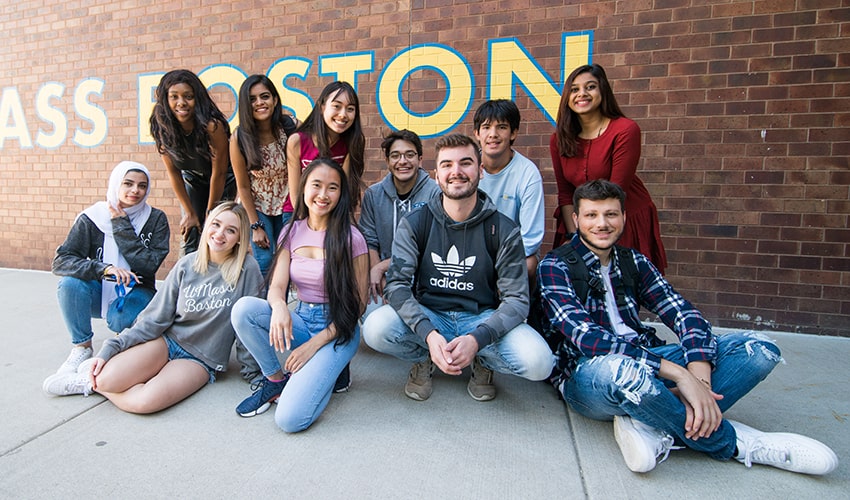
{"x": 382, "y": 210}
{"x": 193, "y": 310}
{"x": 449, "y": 266}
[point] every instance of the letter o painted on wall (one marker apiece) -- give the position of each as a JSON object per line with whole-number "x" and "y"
{"x": 452, "y": 68}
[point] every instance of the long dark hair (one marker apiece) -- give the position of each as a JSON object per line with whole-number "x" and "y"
{"x": 249, "y": 133}
{"x": 568, "y": 126}
{"x": 314, "y": 125}
{"x": 166, "y": 130}
{"x": 340, "y": 282}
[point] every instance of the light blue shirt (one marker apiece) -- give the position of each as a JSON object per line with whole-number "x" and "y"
{"x": 517, "y": 192}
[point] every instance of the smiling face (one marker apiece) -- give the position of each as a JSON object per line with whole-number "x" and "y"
{"x": 585, "y": 96}
{"x": 223, "y": 235}
{"x": 458, "y": 172}
{"x": 600, "y": 224}
{"x": 495, "y": 138}
{"x": 338, "y": 113}
{"x": 322, "y": 191}
{"x": 262, "y": 102}
{"x": 181, "y": 101}
{"x": 403, "y": 161}
{"x": 133, "y": 189}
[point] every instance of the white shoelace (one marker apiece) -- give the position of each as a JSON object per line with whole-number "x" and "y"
{"x": 79, "y": 385}
{"x": 77, "y": 356}
{"x": 666, "y": 445}
{"x": 761, "y": 454}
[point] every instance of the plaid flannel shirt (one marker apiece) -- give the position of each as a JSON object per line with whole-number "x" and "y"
{"x": 584, "y": 330}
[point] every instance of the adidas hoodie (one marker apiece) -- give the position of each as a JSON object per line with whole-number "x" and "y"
{"x": 447, "y": 266}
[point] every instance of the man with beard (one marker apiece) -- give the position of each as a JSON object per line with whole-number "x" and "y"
{"x": 610, "y": 366}
{"x": 457, "y": 286}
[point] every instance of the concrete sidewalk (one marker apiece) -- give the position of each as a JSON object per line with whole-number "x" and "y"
{"x": 373, "y": 442}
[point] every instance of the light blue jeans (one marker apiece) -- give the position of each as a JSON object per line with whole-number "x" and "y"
{"x": 521, "y": 351}
{"x": 605, "y": 386}
{"x": 273, "y": 227}
{"x": 79, "y": 301}
{"x": 308, "y": 391}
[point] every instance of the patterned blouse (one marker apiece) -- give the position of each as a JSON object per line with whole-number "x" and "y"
{"x": 270, "y": 184}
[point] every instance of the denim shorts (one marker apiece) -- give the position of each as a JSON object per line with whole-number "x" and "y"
{"x": 177, "y": 352}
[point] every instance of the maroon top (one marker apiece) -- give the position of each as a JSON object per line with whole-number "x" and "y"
{"x": 613, "y": 156}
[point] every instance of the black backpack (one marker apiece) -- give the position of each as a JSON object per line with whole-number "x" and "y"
{"x": 583, "y": 283}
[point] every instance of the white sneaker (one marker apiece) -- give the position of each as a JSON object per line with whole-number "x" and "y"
{"x": 85, "y": 366}
{"x": 640, "y": 444}
{"x": 77, "y": 356}
{"x": 783, "y": 450}
{"x": 66, "y": 384}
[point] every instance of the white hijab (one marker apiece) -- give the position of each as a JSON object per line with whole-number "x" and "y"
{"x": 102, "y": 218}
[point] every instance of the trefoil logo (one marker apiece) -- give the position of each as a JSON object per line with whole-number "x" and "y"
{"x": 452, "y": 267}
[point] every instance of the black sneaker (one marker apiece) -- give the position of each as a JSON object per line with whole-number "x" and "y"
{"x": 266, "y": 392}
{"x": 343, "y": 382}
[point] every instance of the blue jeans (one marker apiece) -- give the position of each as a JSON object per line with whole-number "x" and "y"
{"x": 308, "y": 391}
{"x": 604, "y": 386}
{"x": 79, "y": 301}
{"x": 521, "y": 351}
{"x": 273, "y": 227}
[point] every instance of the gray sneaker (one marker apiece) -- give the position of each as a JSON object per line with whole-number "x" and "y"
{"x": 418, "y": 384}
{"x": 480, "y": 385}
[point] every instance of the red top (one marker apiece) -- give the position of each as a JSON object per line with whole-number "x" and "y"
{"x": 310, "y": 152}
{"x": 613, "y": 156}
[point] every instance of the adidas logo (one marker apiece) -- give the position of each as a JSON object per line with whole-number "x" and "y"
{"x": 450, "y": 268}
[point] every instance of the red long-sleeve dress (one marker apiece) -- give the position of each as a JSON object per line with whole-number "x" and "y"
{"x": 614, "y": 156}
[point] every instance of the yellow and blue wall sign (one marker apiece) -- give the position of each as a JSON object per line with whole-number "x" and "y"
{"x": 509, "y": 66}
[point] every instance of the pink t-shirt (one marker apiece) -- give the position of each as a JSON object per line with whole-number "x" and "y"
{"x": 307, "y": 274}
{"x": 310, "y": 152}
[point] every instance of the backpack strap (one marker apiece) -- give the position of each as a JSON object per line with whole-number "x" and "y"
{"x": 579, "y": 275}
{"x": 629, "y": 272}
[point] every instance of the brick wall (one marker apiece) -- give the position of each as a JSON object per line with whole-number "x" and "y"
{"x": 744, "y": 107}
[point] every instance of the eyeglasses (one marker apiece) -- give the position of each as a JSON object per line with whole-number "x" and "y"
{"x": 410, "y": 155}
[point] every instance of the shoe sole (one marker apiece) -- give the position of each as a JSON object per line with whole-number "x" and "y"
{"x": 259, "y": 411}
{"x": 415, "y": 396}
{"x": 484, "y": 397}
{"x": 625, "y": 435}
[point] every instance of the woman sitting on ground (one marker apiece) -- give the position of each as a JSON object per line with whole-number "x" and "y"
{"x": 184, "y": 337}
{"x": 115, "y": 246}
{"x": 325, "y": 257}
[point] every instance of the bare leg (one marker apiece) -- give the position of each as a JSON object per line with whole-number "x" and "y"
{"x": 136, "y": 365}
{"x": 146, "y": 382}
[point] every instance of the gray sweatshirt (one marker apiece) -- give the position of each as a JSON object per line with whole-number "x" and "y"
{"x": 79, "y": 256}
{"x": 382, "y": 210}
{"x": 448, "y": 266}
{"x": 192, "y": 310}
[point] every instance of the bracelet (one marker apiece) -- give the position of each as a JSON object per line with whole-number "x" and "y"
{"x": 258, "y": 225}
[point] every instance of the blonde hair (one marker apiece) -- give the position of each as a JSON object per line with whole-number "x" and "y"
{"x": 231, "y": 269}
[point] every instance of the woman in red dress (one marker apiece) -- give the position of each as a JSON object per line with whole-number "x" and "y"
{"x": 594, "y": 140}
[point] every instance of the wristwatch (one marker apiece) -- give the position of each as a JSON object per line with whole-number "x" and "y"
{"x": 257, "y": 225}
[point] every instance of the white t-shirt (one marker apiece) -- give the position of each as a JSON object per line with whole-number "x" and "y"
{"x": 620, "y": 327}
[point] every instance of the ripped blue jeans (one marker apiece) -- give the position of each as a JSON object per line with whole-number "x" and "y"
{"x": 605, "y": 386}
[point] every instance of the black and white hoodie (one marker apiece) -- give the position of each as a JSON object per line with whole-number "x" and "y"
{"x": 473, "y": 266}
